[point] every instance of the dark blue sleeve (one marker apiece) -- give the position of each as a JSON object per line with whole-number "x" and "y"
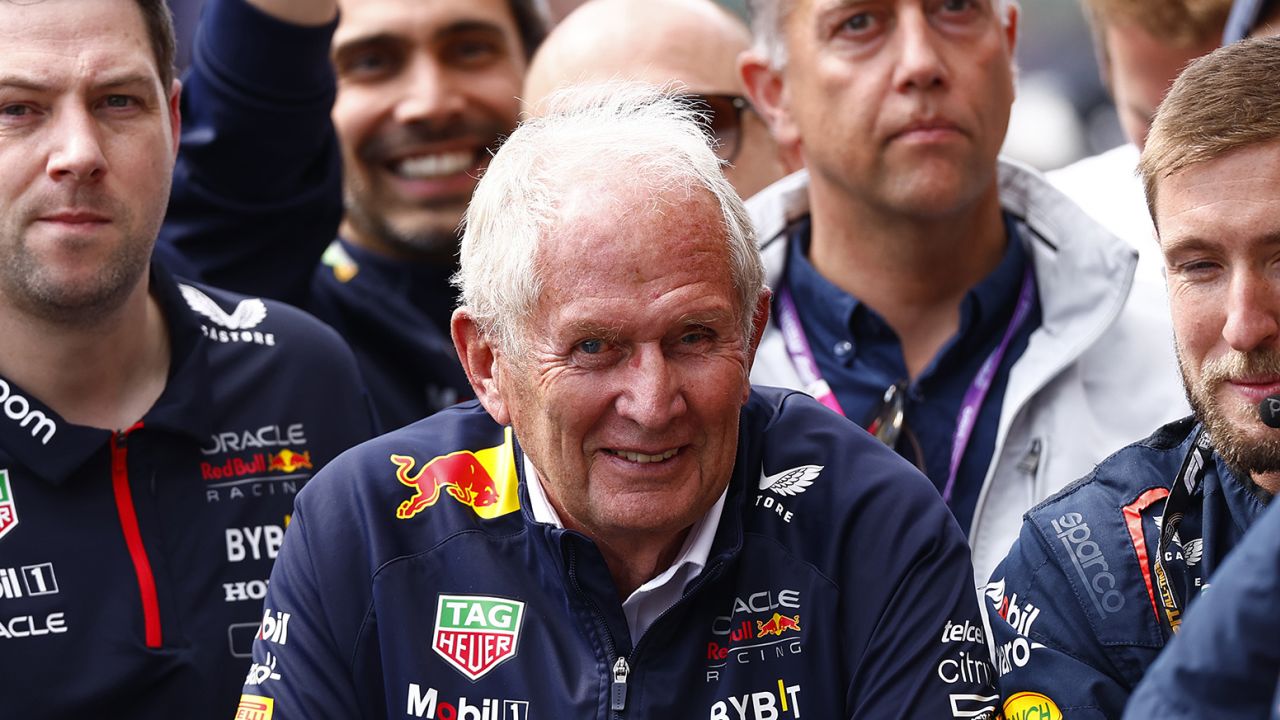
{"x": 257, "y": 190}
{"x": 1046, "y": 653}
{"x": 1225, "y": 661}
{"x": 301, "y": 669}
{"x": 926, "y": 657}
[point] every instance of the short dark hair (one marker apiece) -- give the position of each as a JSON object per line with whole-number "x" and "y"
{"x": 530, "y": 23}
{"x": 159, "y": 22}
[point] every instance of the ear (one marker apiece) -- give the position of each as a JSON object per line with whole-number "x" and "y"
{"x": 480, "y": 361}
{"x": 1011, "y": 27}
{"x": 767, "y": 90}
{"x": 175, "y": 113}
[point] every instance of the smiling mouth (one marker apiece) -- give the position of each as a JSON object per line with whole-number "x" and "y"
{"x": 434, "y": 165}
{"x": 643, "y": 458}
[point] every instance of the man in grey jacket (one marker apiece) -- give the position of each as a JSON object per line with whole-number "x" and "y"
{"x": 957, "y": 306}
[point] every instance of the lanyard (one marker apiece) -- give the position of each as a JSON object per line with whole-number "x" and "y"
{"x": 807, "y": 368}
{"x": 1176, "y": 505}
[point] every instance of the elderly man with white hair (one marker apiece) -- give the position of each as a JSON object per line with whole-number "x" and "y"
{"x": 621, "y": 525}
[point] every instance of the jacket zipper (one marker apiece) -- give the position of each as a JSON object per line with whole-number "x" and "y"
{"x": 618, "y": 690}
{"x": 618, "y": 701}
{"x": 621, "y": 667}
{"x": 133, "y": 535}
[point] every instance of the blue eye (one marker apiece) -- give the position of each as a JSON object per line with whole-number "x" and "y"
{"x": 591, "y": 347}
{"x": 858, "y": 22}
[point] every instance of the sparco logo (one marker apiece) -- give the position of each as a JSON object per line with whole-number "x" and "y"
{"x": 17, "y": 409}
{"x": 1090, "y": 564}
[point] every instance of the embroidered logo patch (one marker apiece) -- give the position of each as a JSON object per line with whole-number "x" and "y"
{"x": 476, "y": 633}
{"x": 791, "y": 482}
{"x": 8, "y": 509}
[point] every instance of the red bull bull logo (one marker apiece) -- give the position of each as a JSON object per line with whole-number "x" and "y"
{"x": 289, "y": 461}
{"x": 459, "y": 474}
{"x": 777, "y": 625}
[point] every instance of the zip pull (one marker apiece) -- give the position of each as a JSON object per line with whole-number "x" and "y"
{"x": 620, "y": 671}
{"x": 1031, "y": 461}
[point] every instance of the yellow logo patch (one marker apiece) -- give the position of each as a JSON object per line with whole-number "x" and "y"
{"x": 1031, "y": 706}
{"x": 255, "y": 707}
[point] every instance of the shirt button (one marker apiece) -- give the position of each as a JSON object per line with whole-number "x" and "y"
{"x": 843, "y": 348}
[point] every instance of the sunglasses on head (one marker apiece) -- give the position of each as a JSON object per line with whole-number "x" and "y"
{"x": 722, "y": 119}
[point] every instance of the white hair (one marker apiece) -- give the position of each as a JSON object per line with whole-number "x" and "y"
{"x": 768, "y": 18}
{"x": 629, "y": 136}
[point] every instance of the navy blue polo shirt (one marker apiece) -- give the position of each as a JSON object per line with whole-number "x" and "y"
{"x": 860, "y": 356}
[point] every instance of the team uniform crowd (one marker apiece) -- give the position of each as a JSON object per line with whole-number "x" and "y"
{"x": 498, "y": 360}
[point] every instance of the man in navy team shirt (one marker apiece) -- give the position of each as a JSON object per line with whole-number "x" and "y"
{"x": 153, "y": 433}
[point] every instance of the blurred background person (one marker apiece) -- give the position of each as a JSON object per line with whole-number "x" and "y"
{"x": 386, "y": 129}
{"x": 1252, "y": 18}
{"x": 692, "y": 42}
{"x": 1141, "y": 46}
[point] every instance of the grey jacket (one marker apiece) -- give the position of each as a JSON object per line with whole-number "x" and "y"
{"x": 1098, "y": 373}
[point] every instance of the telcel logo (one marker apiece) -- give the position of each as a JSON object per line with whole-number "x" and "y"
{"x": 18, "y": 409}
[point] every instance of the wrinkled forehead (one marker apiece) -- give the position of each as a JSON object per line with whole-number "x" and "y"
{"x": 600, "y": 226}
{"x": 54, "y": 43}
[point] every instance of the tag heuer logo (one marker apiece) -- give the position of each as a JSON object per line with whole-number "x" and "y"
{"x": 8, "y": 509}
{"x": 476, "y": 633}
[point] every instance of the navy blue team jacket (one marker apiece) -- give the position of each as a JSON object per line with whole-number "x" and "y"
{"x": 133, "y": 563}
{"x": 414, "y": 582}
{"x": 1080, "y": 607}
{"x": 1225, "y": 662}
{"x": 257, "y": 197}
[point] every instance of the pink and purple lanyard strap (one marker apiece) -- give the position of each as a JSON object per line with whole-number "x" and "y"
{"x": 807, "y": 368}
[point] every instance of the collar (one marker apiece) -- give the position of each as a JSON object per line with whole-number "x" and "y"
{"x": 424, "y": 284}
{"x": 53, "y": 448}
{"x": 648, "y": 601}
{"x": 984, "y": 309}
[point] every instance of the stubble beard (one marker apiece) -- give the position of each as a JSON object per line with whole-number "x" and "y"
{"x": 33, "y": 288}
{"x": 1243, "y": 451}
{"x": 435, "y": 241}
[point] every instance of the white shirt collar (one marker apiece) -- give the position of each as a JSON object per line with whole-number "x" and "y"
{"x": 652, "y": 598}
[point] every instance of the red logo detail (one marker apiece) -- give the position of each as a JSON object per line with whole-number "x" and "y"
{"x": 256, "y": 464}
{"x": 288, "y": 461}
{"x": 778, "y": 624}
{"x": 461, "y": 473}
